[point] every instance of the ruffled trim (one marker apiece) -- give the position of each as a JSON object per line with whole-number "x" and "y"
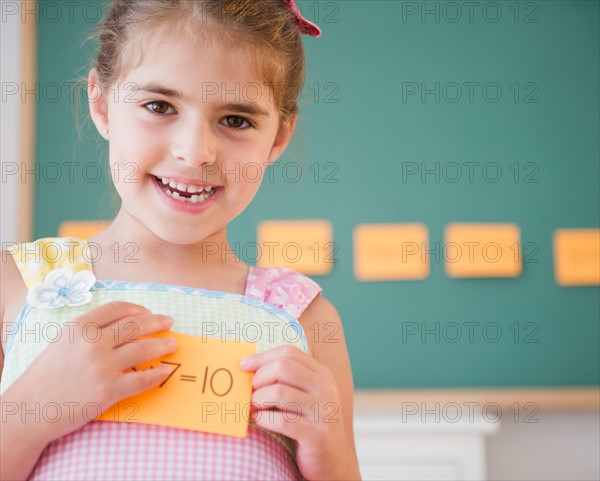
{"x": 35, "y": 260}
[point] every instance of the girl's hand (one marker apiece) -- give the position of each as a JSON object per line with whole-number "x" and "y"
{"x": 298, "y": 397}
{"x": 83, "y": 371}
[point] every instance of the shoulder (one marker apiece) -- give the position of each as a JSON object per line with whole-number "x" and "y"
{"x": 323, "y": 327}
{"x": 9, "y": 276}
{"x": 284, "y": 288}
{"x": 25, "y": 263}
{"x": 36, "y": 258}
{"x": 12, "y": 294}
{"x": 45, "y": 250}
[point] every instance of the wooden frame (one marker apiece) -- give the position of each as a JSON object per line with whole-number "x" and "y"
{"x": 27, "y": 125}
{"x": 544, "y": 399}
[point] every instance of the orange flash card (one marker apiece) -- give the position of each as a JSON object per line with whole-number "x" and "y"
{"x": 577, "y": 257}
{"x": 394, "y": 251}
{"x": 305, "y": 246}
{"x": 82, "y": 229}
{"x": 207, "y": 389}
{"x": 482, "y": 250}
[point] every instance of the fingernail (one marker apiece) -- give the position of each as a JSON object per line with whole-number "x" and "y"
{"x": 245, "y": 362}
{"x": 164, "y": 368}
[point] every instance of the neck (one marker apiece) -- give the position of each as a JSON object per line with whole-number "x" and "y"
{"x": 127, "y": 235}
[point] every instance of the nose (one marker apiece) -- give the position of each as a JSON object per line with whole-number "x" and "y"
{"x": 195, "y": 143}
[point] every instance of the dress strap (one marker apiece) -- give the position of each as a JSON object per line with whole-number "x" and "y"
{"x": 36, "y": 259}
{"x": 284, "y": 288}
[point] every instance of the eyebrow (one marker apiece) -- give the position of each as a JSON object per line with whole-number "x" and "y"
{"x": 253, "y": 109}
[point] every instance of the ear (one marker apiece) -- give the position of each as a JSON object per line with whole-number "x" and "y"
{"x": 98, "y": 104}
{"x": 282, "y": 139}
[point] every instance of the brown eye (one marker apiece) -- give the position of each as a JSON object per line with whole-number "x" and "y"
{"x": 237, "y": 123}
{"x": 158, "y": 107}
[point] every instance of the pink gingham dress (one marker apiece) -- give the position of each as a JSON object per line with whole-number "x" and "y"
{"x": 106, "y": 450}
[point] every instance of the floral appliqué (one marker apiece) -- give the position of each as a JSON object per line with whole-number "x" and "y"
{"x": 60, "y": 287}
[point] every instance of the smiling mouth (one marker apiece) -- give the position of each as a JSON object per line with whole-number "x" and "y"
{"x": 185, "y": 192}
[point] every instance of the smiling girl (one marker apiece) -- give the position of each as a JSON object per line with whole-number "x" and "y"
{"x": 188, "y": 92}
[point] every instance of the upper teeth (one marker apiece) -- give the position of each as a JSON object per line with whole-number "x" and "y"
{"x": 191, "y": 189}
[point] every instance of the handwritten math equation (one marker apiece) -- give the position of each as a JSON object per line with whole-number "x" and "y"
{"x": 220, "y": 382}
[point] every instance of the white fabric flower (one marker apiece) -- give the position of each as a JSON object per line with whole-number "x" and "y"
{"x": 62, "y": 286}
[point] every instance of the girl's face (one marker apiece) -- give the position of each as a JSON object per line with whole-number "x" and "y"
{"x": 191, "y": 132}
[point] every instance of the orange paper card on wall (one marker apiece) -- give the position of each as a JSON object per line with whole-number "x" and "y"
{"x": 82, "y": 229}
{"x": 482, "y": 250}
{"x": 577, "y": 257}
{"x": 207, "y": 389}
{"x": 305, "y": 246}
{"x": 394, "y": 251}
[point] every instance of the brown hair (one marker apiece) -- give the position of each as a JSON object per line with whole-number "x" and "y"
{"x": 266, "y": 29}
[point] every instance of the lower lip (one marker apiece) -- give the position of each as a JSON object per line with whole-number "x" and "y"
{"x": 184, "y": 206}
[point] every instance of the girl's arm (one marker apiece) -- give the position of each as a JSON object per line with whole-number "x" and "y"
{"x": 8, "y": 273}
{"x": 22, "y": 442}
{"x": 325, "y": 334}
{"x": 320, "y": 383}
{"x": 73, "y": 372}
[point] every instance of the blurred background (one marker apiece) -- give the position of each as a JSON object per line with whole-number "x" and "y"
{"x": 417, "y": 119}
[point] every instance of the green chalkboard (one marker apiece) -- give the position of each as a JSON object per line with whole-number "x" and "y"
{"x": 508, "y": 88}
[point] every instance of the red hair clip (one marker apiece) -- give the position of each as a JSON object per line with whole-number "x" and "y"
{"x": 306, "y": 27}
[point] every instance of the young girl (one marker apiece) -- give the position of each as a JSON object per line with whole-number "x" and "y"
{"x": 169, "y": 91}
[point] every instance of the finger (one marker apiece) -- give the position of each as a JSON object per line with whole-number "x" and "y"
{"x": 284, "y": 371}
{"x": 131, "y": 354}
{"x": 130, "y": 329}
{"x": 283, "y": 398}
{"x": 252, "y": 363}
{"x": 107, "y": 314}
{"x": 132, "y": 383}
{"x": 282, "y": 422}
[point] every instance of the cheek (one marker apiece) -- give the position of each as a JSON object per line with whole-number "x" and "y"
{"x": 252, "y": 174}
{"x": 126, "y": 167}
{"x": 133, "y": 151}
{"x": 131, "y": 130}
{"x": 244, "y": 164}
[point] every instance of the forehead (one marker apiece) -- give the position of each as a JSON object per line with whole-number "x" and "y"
{"x": 197, "y": 66}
